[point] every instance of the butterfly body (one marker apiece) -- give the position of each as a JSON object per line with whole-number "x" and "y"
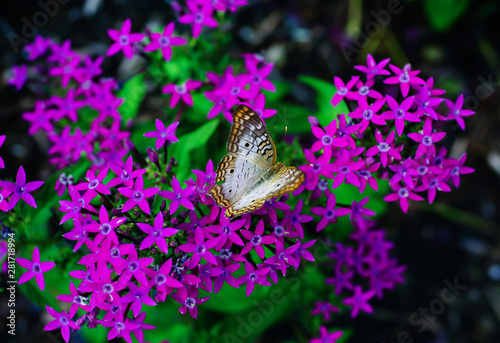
{"x": 249, "y": 170}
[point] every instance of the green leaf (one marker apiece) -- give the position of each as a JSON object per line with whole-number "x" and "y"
{"x": 133, "y": 92}
{"x": 443, "y": 14}
{"x": 325, "y": 91}
{"x": 189, "y": 143}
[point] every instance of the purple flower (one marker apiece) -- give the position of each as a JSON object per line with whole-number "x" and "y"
{"x": 405, "y": 77}
{"x": 426, "y": 139}
{"x": 341, "y": 280}
{"x": 252, "y": 277}
{"x": 368, "y": 113}
{"x": 120, "y": 327}
{"x": 258, "y": 77}
{"x": 373, "y": 68}
{"x": 227, "y": 269}
{"x": 345, "y": 167}
{"x": 181, "y": 91}
{"x": 402, "y": 194}
{"x": 456, "y": 111}
{"x": 256, "y": 240}
{"x": 138, "y": 196}
{"x": 66, "y": 70}
{"x": 227, "y": 231}
{"x": 178, "y": 196}
{"x": 327, "y": 138}
{"x": 233, "y": 89}
{"x": 75, "y": 299}
{"x": 4, "y": 205}
{"x": 163, "y": 281}
{"x": 432, "y": 184}
{"x": 200, "y": 248}
{"x": 61, "y": 320}
{"x": 156, "y": 234}
{"x": 342, "y": 89}
{"x": 366, "y": 177}
{"x": 125, "y": 175}
{"x": 164, "y": 41}
{"x": 327, "y": 337}
{"x": 105, "y": 227}
{"x": 68, "y": 106}
{"x": 358, "y": 210}
{"x": 36, "y": 268}
{"x": 40, "y": 118}
{"x": 124, "y": 40}
{"x": 38, "y": 47}
{"x": 329, "y": 213}
{"x": 399, "y": 113}
{"x": 20, "y": 189}
{"x": 425, "y": 104}
{"x": 163, "y": 134}
{"x": 19, "y": 76}
{"x": 74, "y": 206}
{"x": 404, "y": 171}
{"x": 189, "y": 299}
{"x": 295, "y": 219}
{"x": 457, "y": 169}
{"x": 139, "y": 321}
{"x": 207, "y": 272}
{"x": 200, "y": 15}
{"x": 359, "y": 301}
{"x": 384, "y": 147}
{"x": 94, "y": 184}
{"x": 283, "y": 257}
{"x": 316, "y": 167}
{"x": 137, "y": 296}
{"x": 259, "y": 105}
{"x": 135, "y": 267}
{"x": 364, "y": 91}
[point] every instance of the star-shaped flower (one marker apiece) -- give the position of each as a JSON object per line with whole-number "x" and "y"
{"x": 20, "y": 189}
{"x": 359, "y": 301}
{"x": 36, "y": 268}
{"x": 124, "y": 40}
{"x": 164, "y": 41}
{"x": 163, "y": 134}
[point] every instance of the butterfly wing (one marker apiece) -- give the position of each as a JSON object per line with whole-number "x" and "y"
{"x": 287, "y": 179}
{"x": 251, "y": 152}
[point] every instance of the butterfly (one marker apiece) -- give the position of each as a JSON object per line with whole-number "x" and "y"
{"x": 249, "y": 170}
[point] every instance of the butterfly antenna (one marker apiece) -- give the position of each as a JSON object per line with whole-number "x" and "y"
{"x": 284, "y": 146}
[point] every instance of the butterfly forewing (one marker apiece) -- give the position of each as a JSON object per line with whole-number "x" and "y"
{"x": 249, "y": 170}
{"x": 249, "y": 138}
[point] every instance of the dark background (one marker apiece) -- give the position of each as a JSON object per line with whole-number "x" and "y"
{"x": 456, "y": 237}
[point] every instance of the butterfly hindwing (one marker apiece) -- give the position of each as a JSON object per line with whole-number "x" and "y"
{"x": 249, "y": 138}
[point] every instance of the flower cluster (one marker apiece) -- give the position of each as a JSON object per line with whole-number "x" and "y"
{"x": 391, "y": 138}
{"x": 12, "y": 192}
{"x": 83, "y": 120}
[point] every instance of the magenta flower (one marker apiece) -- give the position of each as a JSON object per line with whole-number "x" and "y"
{"x": 74, "y": 206}
{"x": 432, "y": 184}
{"x": 404, "y": 171}
{"x": 457, "y": 169}
{"x": 405, "y": 77}
{"x": 125, "y": 175}
{"x": 124, "y": 40}
{"x": 62, "y": 320}
{"x": 163, "y": 134}
{"x": 40, "y": 118}
{"x": 426, "y": 139}
{"x": 20, "y": 189}
{"x": 94, "y": 184}
{"x": 138, "y": 196}
{"x": 105, "y": 227}
{"x": 327, "y": 337}
{"x": 373, "y": 68}
{"x": 358, "y": 210}
{"x": 38, "y": 47}
{"x": 163, "y": 281}
{"x": 426, "y": 105}
{"x": 256, "y": 240}
{"x": 368, "y": 113}
{"x": 227, "y": 231}
{"x": 259, "y": 107}
{"x": 66, "y": 70}
{"x": 36, "y": 268}
{"x": 178, "y": 196}
{"x": 233, "y": 89}
{"x": 341, "y": 280}
{"x": 385, "y": 148}
{"x": 68, "y": 106}
{"x": 120, "y": 327}
{"x": 4, "y": 205}
{"x": 75, "y": 299}
{"x": 343, "y": 90}
{"x": 456, "y": 111}
{"x": 156, "y": 234}
{"x": 366, "y": 177}
{"x": 283, "y": 257}
{"x": 19, "y": 76}
{"x": 200, "y": 248}
{"x": 329, "y": 213}
{"x": 165, "y": 41}
{"x": 137, "y": 296}
{"x": 345, "y": 167}
{"x": 139, "y": 320}
{"x": 181, "y": 92}
{"x": 316, "y": 167}
{"x": 189, "y": 299}
{"x": 258, "y": 77}
{"x": 327, "y": 138}
{"x": 252, "y": 277}
{"x": 364, "y": 91}
{"x": 399, "y": 113}
{"x": 207, "y": 273}
{"x": 227, "y": 269}
{"x": 295, "y": 219}
{"x": 200, "y": 15}
{"x": 402, "y": 194}
{"x": 135, "y": 267}
{"x": 359, "y": 301}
